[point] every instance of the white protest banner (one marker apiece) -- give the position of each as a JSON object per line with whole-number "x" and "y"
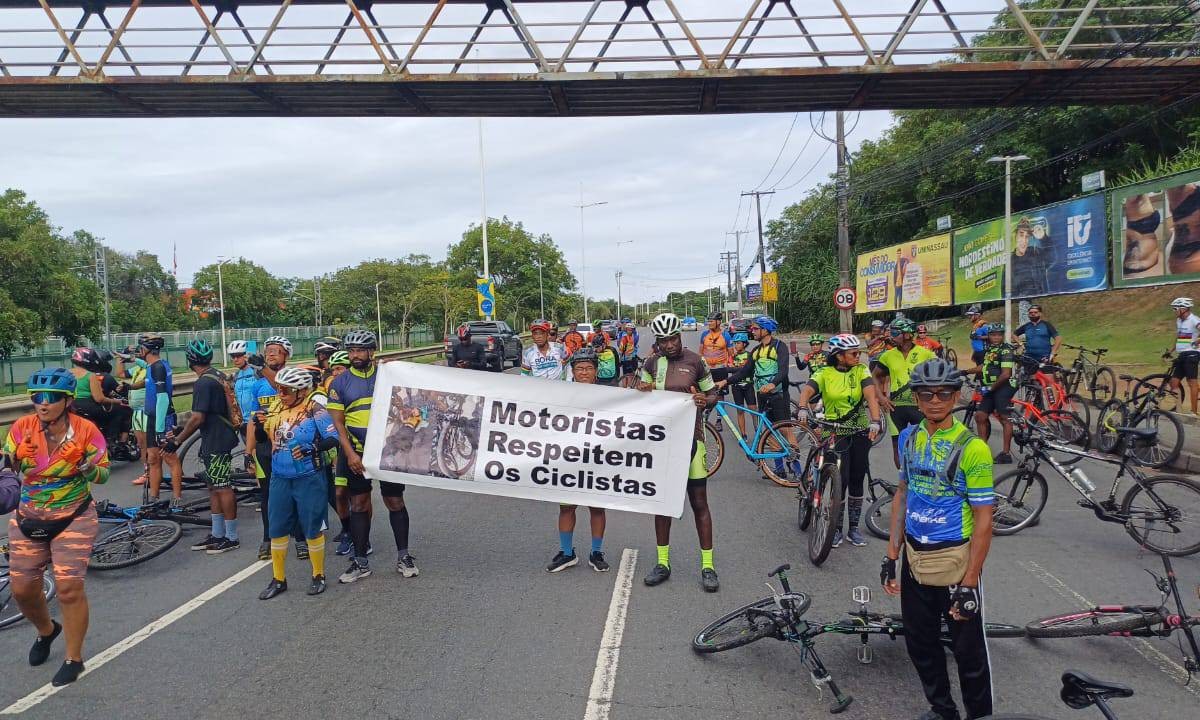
{"x": 523, "y": 437}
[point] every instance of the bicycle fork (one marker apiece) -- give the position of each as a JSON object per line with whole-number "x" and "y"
{"x": 820, "y": 677}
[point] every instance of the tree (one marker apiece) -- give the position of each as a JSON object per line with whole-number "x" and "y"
{"x": 252, "y": 294}
{"x": 142, "y": 294}
{"x": 403, "y": 293}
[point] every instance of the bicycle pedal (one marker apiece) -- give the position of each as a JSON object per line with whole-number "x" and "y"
{"x": 1085, "y": 503}
{"x": 865, "y": 654}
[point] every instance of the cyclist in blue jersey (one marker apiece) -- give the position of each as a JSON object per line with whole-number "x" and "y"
{"x": 942, "y": 519}
{"x": 160, "y": 418}
{"x": 979, "y": 333}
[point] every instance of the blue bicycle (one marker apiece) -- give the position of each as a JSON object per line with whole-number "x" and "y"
{"x": 777, "y": 448}
{"x": 138, "y": 533}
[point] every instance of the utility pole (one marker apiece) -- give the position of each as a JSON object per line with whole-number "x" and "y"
{"x": 102, "y": 280}
{"x": 762, "y": 255}
{"x": 619, "y": 274}
{"x": 317, "y": 300}
{"x": 845, "y": 317}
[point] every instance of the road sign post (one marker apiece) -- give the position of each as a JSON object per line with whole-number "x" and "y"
{"x": 770, "y": 287}
{"x": 844, "y": 298}
{"x": 485, "y": 297}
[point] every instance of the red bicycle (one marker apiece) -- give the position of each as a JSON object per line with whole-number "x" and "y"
{"x": 1041, "y": 384}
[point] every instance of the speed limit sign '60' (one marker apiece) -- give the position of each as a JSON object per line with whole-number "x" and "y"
{"x": 844, "y": 298}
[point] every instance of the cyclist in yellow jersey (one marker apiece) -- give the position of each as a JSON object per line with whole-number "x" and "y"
{"x": 892, "y": 370}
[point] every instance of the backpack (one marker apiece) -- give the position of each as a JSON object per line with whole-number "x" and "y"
{"x": 950, "y": 469}
{"x": 233, "y": 412}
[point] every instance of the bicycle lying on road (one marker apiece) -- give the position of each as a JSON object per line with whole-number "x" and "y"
{"x": 781, "y": 616}
{"x": 138, "y": 533}
{"x": 10, "y": 614}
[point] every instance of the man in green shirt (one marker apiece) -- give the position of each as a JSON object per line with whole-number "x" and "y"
{"x": 999, "y": 386}
{"x": 892, "y": 370}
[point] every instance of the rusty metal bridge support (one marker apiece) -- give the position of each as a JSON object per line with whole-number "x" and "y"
{"x": 107, "y": 58}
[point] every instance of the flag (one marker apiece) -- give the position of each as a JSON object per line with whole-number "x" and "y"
{"x": 175, "y": 263}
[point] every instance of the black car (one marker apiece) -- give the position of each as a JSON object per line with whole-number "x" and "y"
{"x": 739, "y": 325}
{"x": 500, "y": 344}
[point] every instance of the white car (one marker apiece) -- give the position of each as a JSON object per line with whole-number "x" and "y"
{"x": 689, "y": 323}
{"x": 585, "y": 329}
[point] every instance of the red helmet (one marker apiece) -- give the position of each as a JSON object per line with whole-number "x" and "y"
{"x": 464, "y": 331}
{"x": 921, "y": 329}
{"x": 540, "y": 324}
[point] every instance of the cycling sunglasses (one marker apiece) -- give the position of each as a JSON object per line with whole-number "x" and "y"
{"x": 943, "y": 395}
{"x": 46, "y": 397}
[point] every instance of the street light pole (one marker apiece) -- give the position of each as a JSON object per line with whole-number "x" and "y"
{"x": 541, "y": 293}
{"x": 221, "y": 299}
{"x": 483, "y": 210}
{"x": 583, "y": 249}
{"x": 1008, "y": 160}
{"x": 378, "y": 315}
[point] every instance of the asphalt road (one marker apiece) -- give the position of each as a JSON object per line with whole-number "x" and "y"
{"x": 485, "y": 632}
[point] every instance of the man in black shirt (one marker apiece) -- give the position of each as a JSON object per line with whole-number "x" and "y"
{"x": 210, "y": 416}
{"x": 466, "y": 354}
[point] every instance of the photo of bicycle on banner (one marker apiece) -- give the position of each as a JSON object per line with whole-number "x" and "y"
{"x": 432, "y": 432}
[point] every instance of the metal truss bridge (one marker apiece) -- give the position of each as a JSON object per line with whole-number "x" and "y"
{"x": 548, "y": 58}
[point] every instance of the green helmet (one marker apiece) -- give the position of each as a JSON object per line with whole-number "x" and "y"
{"x": 815, "y": 339}
{"x": 996, "y": 327}
{"x": 339, "y": 357}
{"x": 904, "y": 325}
{"x": 198, "y": 352}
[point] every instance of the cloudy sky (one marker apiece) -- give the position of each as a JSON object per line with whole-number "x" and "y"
{"x": 307, "y": 196}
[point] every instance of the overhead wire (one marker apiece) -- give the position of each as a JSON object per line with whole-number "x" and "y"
{"x": 778, "y": 155}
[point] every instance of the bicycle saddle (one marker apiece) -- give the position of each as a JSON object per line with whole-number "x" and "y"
{"x": 1080, "y": 690}
{"x": 1101, "y": 350}
{"x": 1141, "y": 433}
{"x": 1127, "y": 377}
{"x": 782, "y": 568}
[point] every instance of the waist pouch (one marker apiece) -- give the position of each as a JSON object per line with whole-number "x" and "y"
{"x": 942, "y": 567}
{"x": 47, "y": 530}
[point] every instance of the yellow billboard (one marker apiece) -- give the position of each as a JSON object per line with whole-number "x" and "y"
{"x": 770, "y": 287}
{"x": 912, "y": 274}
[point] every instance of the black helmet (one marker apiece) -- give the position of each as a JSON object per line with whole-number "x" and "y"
{"x": 106, "y": 358}
{"x": 935, "y": 373}
{"x": 360, "y": 339}
{"x": 584, "y": 354}
{"x": 151, "y": 341}
{"x": 716, "y": 316}
{"x": 86, "y": 358}
{"x": 328, "y": 344}
{"x": 198, "y": 352}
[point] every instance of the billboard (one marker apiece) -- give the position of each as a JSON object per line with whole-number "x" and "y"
{"x": 1156, "y": 231}
{"x": 908, "y": 275}
{"x": 979, "y": 262}
{"x": 753, "y": 292}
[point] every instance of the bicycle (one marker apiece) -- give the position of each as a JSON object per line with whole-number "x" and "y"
{"x": 139, "y": 533}
{"x": 1080, "y": 691}
{"x": 946, "y": 352}
{"x": 1040, "y": 385}
{"x": 10, "y": 614}
{"x": 1020, "y": 495}
{"x": 1143, "y": 408}
{"x": 821, "y": 494}
{"x": 1066, "y": 425}
{"x": 767, "y": 445}
{"x": 1130, "y": 620}
{"x": 1101, "y": 382}
{"x": 781, "y": 617}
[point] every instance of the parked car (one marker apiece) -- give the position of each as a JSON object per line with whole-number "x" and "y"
{"x": 585, "y": 329}
{"x": 689, "y": 323}
{"x": 609, "y": 328}
{"x": 500, "y": 344}
{"x": 739, "y": 325}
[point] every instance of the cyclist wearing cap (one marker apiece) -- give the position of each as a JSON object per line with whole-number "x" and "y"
{"x": 715, "y": 346}
{"x": 767, "y": 370}
{"x": 892, "y": 370}
{"x": 583, "y": 370}
{"x": 572, "y": 339}
{"x": 943, "y": 505}
{"x": 466, "y": 355}
{"x": 350, "y": 405}
{"x": 218, "y": 438}
{"x": 849, "y": 395}
{"x": 815, "y": 358}
{"x": 927, "y": 342}
{"x": 1040, "y": 336}
{"x": 160, "y": 418}
{"x": 743, "y": 390}
{"x": 58, "y": 455}
{"x": 1187, "y": 346}
{"x": 979, "y": 333}
{"x": 673, "y": 367}
{"x": 543, "y": 359}
{"x": 877, "y": 340}
{"x": 999, "y": 386}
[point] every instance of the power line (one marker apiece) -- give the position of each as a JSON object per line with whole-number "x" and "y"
{"x": 778, "y": 155}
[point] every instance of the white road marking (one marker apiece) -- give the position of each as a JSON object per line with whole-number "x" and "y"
{"x": 114, "y": 651}
{"x": 1141, "y": 646}
{"x": 604, "y": 680}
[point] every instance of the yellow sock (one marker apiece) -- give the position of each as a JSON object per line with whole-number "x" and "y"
{"x": 664, "y": 555}
{"x": 706, "y": 562}
{"x": 278, "y": 556}
{"x": 316, "y": 554}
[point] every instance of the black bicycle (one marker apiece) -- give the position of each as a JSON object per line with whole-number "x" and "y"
{"x": 10, "y": 614}
{"x": 1080, "y": 691}
{"x": 1158, "y": 512}
{"x": 1146, "y": 406}
{"x": 1086, "y": 370}
{"x": 781, "y": 616}
{"x": 878, "y": 516}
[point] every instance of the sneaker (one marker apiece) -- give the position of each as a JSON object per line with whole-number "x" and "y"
{"x": 407, "y": 566}
{"x": 140, "y": 479}
{"x": 354, "y": 573}
{"x": 856, "y": 538}
{"x": 264, "y": 551}
{"x": 562, "y": 562}
{"x": 68, "y": 673}
{"x": 837, "y": 538}
{"x": 658, "y": 575}
{"x": 223, "y": 545}
{"x": 597, "y": 561}
{"x": 709, "y": 581}
{"x": 301, "y": 551}
{"x": 274, "y": 588}
{"x": 206, "y": 543}
{"x": 40, "y": 651}
{"x": 317, "y": 586}
{"x": 345, "y": 545}
{"x": 1003, "y": 459}
{"x": 370, "y": 549}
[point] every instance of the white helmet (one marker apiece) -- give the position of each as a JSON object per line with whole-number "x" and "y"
{"x": 845, "y": 341}
{"x": 237, "y": 347}
{"x": 1181, "y": 302}
{"x": 281, "y": 341}
{"x": 666, "y": 325}
{"x": 294, "y": 377}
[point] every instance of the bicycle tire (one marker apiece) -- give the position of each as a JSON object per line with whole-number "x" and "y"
{"x": 1076, "y": 404}
{"x": 827, "y": 511}
{"x": 951, "y": 357}
{"x": 1159, "y": 383}
{"x": 10, "y": 614}
{"x": 1090, "y": 623}
{"x": 193, "y": 469}
{"x": 1103, "y": 384}
{"x": 1014, "y": 509}
{"x": 1188, "y": 513}
{"x": 804, "y": 440}
{"x": 155, "y": 536}
{"x": 1111, "y": 417}
{"x": 804, "y": 509}
{"x": 1071, "y": 430}
{"x": 1168, "y": 439}
{"x": 754, "y": 629}
{"x": 714, "y": 449}
{"x": 879, "y": 517}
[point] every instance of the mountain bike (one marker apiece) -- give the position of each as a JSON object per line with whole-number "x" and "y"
{"x": 878, "y": 515}
{"x": 457, "y": 445}
{"x": 781, "y": 616}
{"x": 1143, "y": 409}
{"x": 1039, "y": 385}
{"x": 138, "y": 533}
{"x": 1080, "y": 691}
{"x": 768, "y": 444}
{"x": 1097, "y": 379}
{"x": 820, "y": 493}
{"x": 193, "y": 469}
{"x": 1064, "y": 424}
{"x": 10, "y": 614}
{"x": 1131, "y": 620}
{"x": 1157, "y": 512}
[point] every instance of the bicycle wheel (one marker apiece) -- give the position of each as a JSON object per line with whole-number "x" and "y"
{"x": 1076, "y": 404}
{"x": 1164, "y": 514}
{"x": 1103, "y": 385}
{"x": 740, "y": 628}
{"x": 1069, "y": 429}
{"x": 10, "y": 614}
{"x": 1111, "y": 417}
{"x": 1168, "y": 442}
{"x": 879, "y": 517}
{"x": 714, "y": 449}
{"x": 1159, "y": 383}
{"x": 1091, "y": 622}
{"x": 1020, "y": 497}
{"x": 193, "y": 468}
{"x": 133, "y": 543}
{"x": 951, "y": 357}
{"x": 784, "y": 473}
{"x": 827, "y": 513}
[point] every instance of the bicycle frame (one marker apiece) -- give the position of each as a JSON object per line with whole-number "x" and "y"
{"x": 762, "y": 426}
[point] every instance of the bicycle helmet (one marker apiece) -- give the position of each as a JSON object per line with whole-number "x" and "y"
{"x": 844, "y": 341}
{"x": 904, "y": 326}
{"x": 339, "y": 357}
{"x": 598, "y": 339}
{"x": 464, "y": 331}
{"x": 281, "y": 341}
{"x": 294, "y": 377}
{"x": 935, "y": 373}
{"x": 327, "y": 344}
{"x": 714, "y": 316}
{"x": 996, "y": 327}
{"x": 86, "y": 358}
{"x": 106, "y": 359}
{"x": 975, "y": 310}
{"x": 584, "y": 354}
{"x": 922, "y": 328}
{"x": 237, "y": 347}
{"x": 360, "y": 339}
{"x": 198, "y": 352}
{"x": 741, "y": 337}
{"x": 816, "y": 339}
{"x": 152, "y": 341}
{"x": 1182, "y": 302}
{"x": 876, "y": 323}
{"x": 540, "y": 324}
{"x": 766, "y": 322}
{"x": 665, "y": 325}
{"x": 53, "y": 379}
{"x": 314, "y": 372}
{"x": 626, "y": 321}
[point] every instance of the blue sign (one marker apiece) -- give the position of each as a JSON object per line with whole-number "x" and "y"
{"x": 486, "y": 306}
{"x": 753, "y": 292}
{"x": 1060, "y": 249}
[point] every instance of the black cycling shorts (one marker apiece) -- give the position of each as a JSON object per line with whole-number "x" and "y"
{"x": 903, "y": 416}
{"x": 1188, "y": 367}
{"x": 998, "y": 401}
{"x": 774, "y": 406}
{"x": 359, "y": 485}
{"x": 744, "y": 395}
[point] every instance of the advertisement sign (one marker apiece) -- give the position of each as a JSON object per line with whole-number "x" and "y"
{"x": 770, "y": 287}
{"x": 877, "y": 280}
{"x": 485, "y": 296}
{"x": 979, "y": 257}
{"x": 908, "y": 275}
{"x": 519, "y": 437}
{"x": 1156, "y": 231}
{"x": 753, "y": 292}
{"x": 1060, "y": 248}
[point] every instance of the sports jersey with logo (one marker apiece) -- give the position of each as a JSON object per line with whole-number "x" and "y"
{"x": 899, "y": 367}
{"x": 995, "y": 360}
{"x": 715, "y": 348}
{"x": 548, "y": 365}
{"x": 680, "y": 374}
{"x": 936, "y": 512}
{"x": 351, "y": 393}
{"x": 842, "y": 393}
{"x": 303, "y": 427}
{"x": 1187, "y": 332}
{"x": 52, "y": 480}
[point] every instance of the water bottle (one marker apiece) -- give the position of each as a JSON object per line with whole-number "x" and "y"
{"x": 1082, "y": 479}
{"x": 297, "y": 465}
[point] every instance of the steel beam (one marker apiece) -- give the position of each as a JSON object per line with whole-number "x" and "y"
{"x": 913, "y": 13}
{"x": 523, "y": 34}
{"x": 362, "y": 23}
{"x": 258, "y": 49}
{"x": 212, "y": 31}
{"x": 412, "y": 50}
{"x": 337, "y": 39}
{"x": 1034, "y": 40}
{"x": 87, "y": 13}
{"x": 115, "y": 40}
{"x": 1080, "y": 21}
{"x": 862, "y": 41}
{"x": 68, "y": 43}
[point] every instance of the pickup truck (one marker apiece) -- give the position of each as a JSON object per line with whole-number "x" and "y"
{"x": 500, "y": 344}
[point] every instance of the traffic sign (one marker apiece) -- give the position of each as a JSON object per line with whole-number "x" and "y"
{"x": 485, "y": 296}
{"x": 1093, "y": 181}
{"x": 485, "y": 306}
{"x": 844, "y": 298}
{"x": 770, "y": 287}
